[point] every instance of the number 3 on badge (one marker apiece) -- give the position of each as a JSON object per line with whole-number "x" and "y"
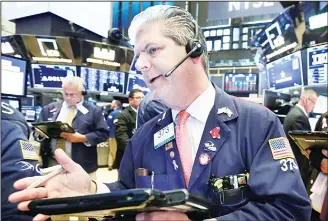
{"x": 288, "y": 163}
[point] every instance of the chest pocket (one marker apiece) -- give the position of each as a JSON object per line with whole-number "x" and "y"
{"x": 160, "y": 182}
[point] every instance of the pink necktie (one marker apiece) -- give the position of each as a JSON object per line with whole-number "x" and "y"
{"x": 184, "y": 147}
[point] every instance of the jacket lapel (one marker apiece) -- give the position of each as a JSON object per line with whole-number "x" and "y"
{"x": 58, "y": 107}
{"x": 216, "y": 119}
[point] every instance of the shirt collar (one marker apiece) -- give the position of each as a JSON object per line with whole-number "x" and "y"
{"x": 201, "y": 107}
{"x": 135, "y": 110}
{"x": 78, "y": 105}
{"x": 302, "y": 108}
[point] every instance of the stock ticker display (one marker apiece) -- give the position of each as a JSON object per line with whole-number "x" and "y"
{"x": 103, "y": 80}
{"x": 51, "y": 76}
{"x": 285, "y": 72}
{"x": 241, "y": 82}
{"x": 317, "y": 64}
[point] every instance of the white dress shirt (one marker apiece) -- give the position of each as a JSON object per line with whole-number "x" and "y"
{"x": 62, "y": 117}
{"x": 199, "y": 111}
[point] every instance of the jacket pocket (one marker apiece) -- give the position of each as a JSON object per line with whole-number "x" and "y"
{"x": 161, "y": 181}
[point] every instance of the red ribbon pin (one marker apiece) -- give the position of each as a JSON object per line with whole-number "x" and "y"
{"x": 215, "y": 133}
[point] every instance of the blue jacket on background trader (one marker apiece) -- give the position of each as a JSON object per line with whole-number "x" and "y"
{"x": 110, "y": 122}
{"x": 18, "y": 159}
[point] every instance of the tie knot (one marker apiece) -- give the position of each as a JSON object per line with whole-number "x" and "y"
{"x": 182, "y": 117}
{"x": 72, "y": 107}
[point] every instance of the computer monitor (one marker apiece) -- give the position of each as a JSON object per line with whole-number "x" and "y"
{"x": 51, "y": 76}
{"x": 28, "y": 109}
{"x": 241, "y": 82}
{"x": 321, "y": 105}
{"x": 317, "y": 64}
{"x": 136, "y": 82}
{"x": 285, "y": 72}
{"x": 278, "y": 38}
{"x": 13, "y": 76}
{"x": 277, "y": 102}
{"x": 14, "y": 102}
{"x": 103, "y": 80}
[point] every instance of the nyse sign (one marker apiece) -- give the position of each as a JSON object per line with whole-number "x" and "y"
{"x": 237, "y": 6}
{"x": 232, "y": 9}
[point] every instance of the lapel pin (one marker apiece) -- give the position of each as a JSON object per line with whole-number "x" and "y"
{"x": 172, "y": 154}
{"x": 175, "y": 164}
{"x": 204, "y": 159}
{"x": 168, "y": 146}
{"x": 215, "y": 133}
{"x": 225, "y": 110}
{"x": 209, "y": 146}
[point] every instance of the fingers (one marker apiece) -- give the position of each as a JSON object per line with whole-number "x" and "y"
{"x": 28, "y": 194}
{"x": 141, "y": 217}
{"x": 40, "y": 217}
{"x": 68, "y": 164}
{"x": 25, "y": 182}
{"x": 325, "y": 152}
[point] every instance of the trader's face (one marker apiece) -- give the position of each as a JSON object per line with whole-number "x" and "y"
{"x": 310, "y": 103}
{"x": 136, "y": 99}
{"x": 72, "y": 95}
{"x": 156, "y": 55}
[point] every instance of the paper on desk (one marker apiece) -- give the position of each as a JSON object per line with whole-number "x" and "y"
{"x": 318, "y": 190}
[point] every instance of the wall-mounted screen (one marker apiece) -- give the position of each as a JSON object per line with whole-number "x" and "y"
{"x": 103, "y": 80}
{"x": 136, "y": 82}
{"x": 317, "y": 64}
{"x": 285, "y": 72}
{"x": 13, "y": 76}
{"x": 241, "y": 82}
{"x": 50, "y": 76}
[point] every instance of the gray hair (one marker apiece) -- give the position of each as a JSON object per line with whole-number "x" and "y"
{"x": 179, "y": 26}
{"x": 74, "y": 82}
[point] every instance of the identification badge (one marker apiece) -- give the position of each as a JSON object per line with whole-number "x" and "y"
{"x": 83, "y": 110}
{"x": 164, "y": 136}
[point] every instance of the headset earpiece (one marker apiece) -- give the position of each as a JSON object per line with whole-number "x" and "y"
{"x": 84, "y": 92}
{"x": 195, "y": 43}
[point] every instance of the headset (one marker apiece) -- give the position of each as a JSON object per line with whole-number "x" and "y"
{"x": 84, "y": 92}
{"x": 194, "y": 47}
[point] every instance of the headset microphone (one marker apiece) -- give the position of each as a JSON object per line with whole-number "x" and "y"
{"x": 197, "y": 46}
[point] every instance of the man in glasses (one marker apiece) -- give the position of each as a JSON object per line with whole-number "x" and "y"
{"x": 85, "y": 118}
{"x": 125, "y": 124}
{"x": 298, "y": 119}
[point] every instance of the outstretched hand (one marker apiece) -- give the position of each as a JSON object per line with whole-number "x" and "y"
{"x": 73, "y": 182}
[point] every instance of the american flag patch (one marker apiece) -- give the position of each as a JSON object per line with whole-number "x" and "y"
{"x": 28, "y": 151}
{"x": 280, "y": 148}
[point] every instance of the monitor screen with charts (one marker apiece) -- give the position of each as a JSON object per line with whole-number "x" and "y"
{"x": 51, "y": 76}
{"x": 13, "y": 76}
{"x": 285, "y": 72}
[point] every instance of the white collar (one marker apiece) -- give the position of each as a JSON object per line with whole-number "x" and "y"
{"x": 133, "y": 108}
{"x": 201, "y": 107}
{"x": 78, "y": 106}
{"x": 302, "y": 108}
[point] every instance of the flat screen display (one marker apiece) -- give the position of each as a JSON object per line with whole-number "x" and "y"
{"x": 28, "y": 109}
{"x": 317, "y": 64}
{"x": 103, "y": 80}
{"x": 51, "y": 76}
{"x": 285, "y": 72}
{"x": 13, "y": 76}
{"x": 136, "y": 82}
{"x": 241, "y": 82}
{"x": 278, "y": 38}
{"x": 275, "y": 101}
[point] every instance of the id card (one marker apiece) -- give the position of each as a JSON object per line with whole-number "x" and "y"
{"x": 164, "y": 136}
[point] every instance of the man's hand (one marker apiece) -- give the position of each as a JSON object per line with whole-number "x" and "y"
{"x": 324, "y": 162}
{"x": 162, "y": 215}
{"x": 73, "y": 182}
{"x": 74, "y": 137}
